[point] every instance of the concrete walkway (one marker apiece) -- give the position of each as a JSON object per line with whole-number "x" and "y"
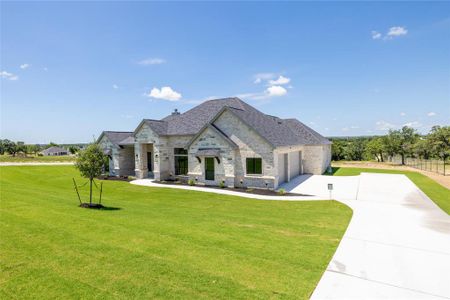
{"x": 397, "y": 245}
{"x": 151, "y": 183}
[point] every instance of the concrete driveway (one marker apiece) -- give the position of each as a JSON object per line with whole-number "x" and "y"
{"x": 397, "y": 245}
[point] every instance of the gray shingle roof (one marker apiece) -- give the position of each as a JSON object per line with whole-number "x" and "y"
{"x": 276, "y": 131}
{"x": 54, "y": 149}
{"x": 116, "y": 137}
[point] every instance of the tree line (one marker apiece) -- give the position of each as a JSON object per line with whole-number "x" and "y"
{"x": 404, "y": 142}
{"x": 14, "y": 148}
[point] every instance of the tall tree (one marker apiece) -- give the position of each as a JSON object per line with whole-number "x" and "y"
{"x": 402, "y": 141}
{"x": 10, "y": 147}
{"x": 439, "y": 139}
{"x": 90, "y": 164}
{"x": 375, "y": 148}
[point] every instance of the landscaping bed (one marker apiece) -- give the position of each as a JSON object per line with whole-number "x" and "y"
{"x": 254, "y": 191}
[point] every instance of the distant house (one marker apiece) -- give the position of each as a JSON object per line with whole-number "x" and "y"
{"x": 54, "y": 151}
{"x": 224, "y": 141}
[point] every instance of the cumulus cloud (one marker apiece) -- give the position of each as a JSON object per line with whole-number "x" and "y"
{"x": 165, "y": 93}
{"x": 431, "y": 114}
{"x": 9, "y": 76}
{"x": 397, "y": 31}
{"x": 152, "y": 61}
{"x": 25, "y": 66}
{"x": 263, "y": 77}
{"x": 376, "y": 35}
{"x": 383, "y": 125}
{"x": 402, "y": 114}
{"x": 392, "y": 32}
{"x": 413, "y": 124}
{"x": 276, "y": 91}
{"x": 115, "y": 86}
{"x": 280, "y": 81}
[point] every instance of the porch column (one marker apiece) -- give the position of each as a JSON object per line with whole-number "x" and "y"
{"x": 140, "y": 160}
{"x": 156, "y": 162}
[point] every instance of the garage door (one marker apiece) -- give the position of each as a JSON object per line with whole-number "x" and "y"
{"x": 295, "y": 163}
{"x": 281, "y": 168}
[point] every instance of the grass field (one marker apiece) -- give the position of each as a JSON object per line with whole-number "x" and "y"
{"x": 157, "y": 243}
{"x": 34, "y": 158}
{"x": 436, "y": 192}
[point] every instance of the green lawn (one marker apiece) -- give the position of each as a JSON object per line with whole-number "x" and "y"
{"x": 161, "y": 243}
{"x": 33, "y": 158}
{"x": 439, "y": 194}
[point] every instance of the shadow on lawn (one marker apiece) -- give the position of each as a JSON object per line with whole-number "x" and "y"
{"x": 98, "y": 206}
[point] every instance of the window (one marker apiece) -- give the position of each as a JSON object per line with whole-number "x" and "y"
{"x": 181, "y": 161}
{"x": 254, "y": 165}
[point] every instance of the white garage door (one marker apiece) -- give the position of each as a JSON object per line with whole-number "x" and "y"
{"x": 295, "y": 163}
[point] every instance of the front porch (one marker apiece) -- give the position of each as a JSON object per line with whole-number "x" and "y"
{"x": 144, "y": 160}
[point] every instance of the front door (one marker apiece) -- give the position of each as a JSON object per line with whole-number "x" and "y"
{"x": 149, "y": 162}
{"x": 209, "y": 168}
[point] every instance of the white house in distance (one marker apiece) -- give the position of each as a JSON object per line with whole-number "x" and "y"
{"x": 223, "y": 140}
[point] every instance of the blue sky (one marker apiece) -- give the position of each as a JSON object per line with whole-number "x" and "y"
{"x": 71, "y": 70}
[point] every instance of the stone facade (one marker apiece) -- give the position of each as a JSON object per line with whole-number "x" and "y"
{"x": 231, "y": 141}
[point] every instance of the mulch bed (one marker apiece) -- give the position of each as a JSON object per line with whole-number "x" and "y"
{"x": 116, "y": 178}
{"x": 265, "y": 192}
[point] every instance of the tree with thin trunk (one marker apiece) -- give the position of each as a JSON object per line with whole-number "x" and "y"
{"x": 90, "y": 164}
{"x": 402, "y": 141}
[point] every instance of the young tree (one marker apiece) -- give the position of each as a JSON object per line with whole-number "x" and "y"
{"x": 90, "y": 164}
{"x": 355, "y": 149}
{"x": 439, "y": 139}
{"x": 375, "y": 148}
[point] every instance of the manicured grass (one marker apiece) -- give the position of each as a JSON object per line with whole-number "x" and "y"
{"x": 161, "y": 243}
{"x": 33, "y": 158}
{"x": 436, "y": 192}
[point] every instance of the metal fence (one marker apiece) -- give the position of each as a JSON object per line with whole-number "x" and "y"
{"x": 430, "y": 165}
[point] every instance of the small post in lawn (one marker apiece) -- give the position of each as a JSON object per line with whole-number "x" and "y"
{"x": 76, "y": 189}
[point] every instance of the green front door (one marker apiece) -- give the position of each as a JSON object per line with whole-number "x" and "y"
{"x": 209, "y": 168}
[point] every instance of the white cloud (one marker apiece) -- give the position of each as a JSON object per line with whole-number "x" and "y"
{"x": 376, "y": 35}
{"x": 9, "y": 76}
{"x": 413, "y": 124}
{"x": 397, "y": 31}
{"x": 25, "y": 66}
{"x": 280, "y": 81}
{"x": 383, "y": 125}
{"x": 354, "y": 127}
{"x": 345, "y": 129}
{"x": 115, "y": 86}
{"x": 431, "y": 114}
{"x": 152, "y": 61}
{"x": 393, "y": 32}
{"x": 165, "y": 93}
{"x": 45, "y": 69}
{"x": 276, "y": 91}
{"x": 402, "y": 114}
{"x": 263, "y": 76}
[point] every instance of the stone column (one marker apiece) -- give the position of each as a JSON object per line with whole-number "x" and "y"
{"x": 140, "y": 159}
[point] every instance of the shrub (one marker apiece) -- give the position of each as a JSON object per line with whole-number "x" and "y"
{"x": 222, "y": 184}
{"x": 131, "y": 178}
{"x": 191, "y": 182}
{"x": 281, "y": 191}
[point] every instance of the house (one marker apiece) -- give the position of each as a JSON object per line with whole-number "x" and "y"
{"x": 219, "y": 141}
{"x": 52, "y": 151}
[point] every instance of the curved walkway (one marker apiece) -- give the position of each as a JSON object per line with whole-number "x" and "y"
{"x": 151, "y": 183}
{"x": 397, "y": 245}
